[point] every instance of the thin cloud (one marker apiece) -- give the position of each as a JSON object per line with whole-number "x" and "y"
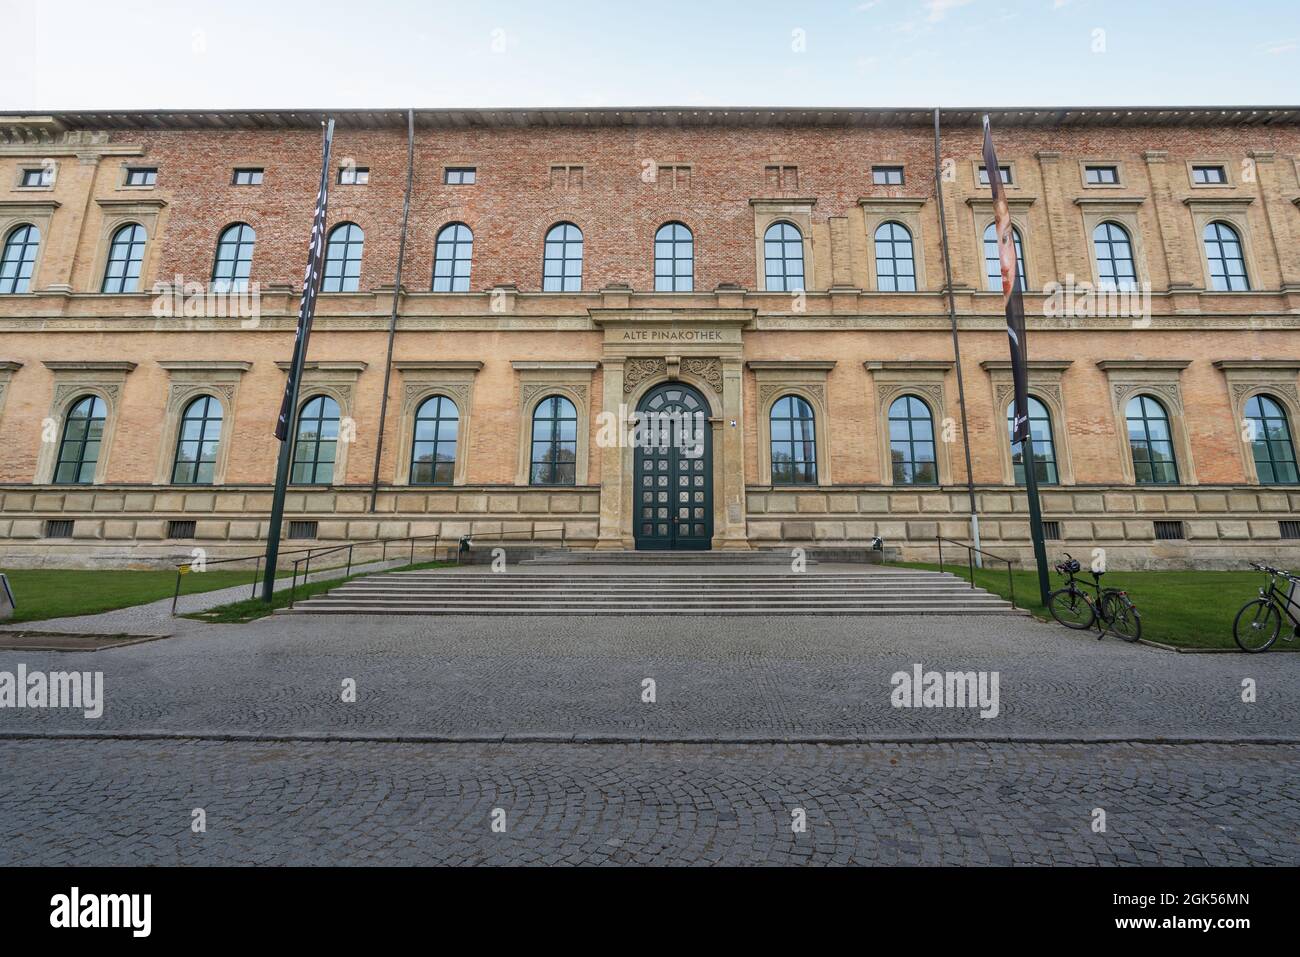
{"x": 936, "y": 10}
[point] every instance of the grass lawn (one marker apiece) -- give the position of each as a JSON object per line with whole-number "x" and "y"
{"x": 253, "y": 608}
{"x": 1188, "y": 609}
{"x": 61, "y": 592}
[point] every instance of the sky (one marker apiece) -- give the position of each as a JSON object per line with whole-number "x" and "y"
{"x": 247, "y": 54}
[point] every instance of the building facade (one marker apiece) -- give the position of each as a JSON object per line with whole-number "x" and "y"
{"x": 778, "y": 274}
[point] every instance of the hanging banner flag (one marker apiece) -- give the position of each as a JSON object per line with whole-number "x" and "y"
{"x": 310, "y": 286}
{"x": 1011, "y": 288}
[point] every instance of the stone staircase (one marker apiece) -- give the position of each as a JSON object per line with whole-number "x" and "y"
{"x": 649, "y": 592}
{"x": 587, "y": 557}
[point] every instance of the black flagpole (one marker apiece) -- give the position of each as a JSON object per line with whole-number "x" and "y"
{"x": 1015, "y": 309}
{"x": 285, "y": 424}
{"x": 956, "y": 345}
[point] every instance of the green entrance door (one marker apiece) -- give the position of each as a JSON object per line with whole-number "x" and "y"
{"x": 673, "y": 491}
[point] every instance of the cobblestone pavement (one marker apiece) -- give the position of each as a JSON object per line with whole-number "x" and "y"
{"x": 725, "y": 678}
{"x": 131, "y": 802}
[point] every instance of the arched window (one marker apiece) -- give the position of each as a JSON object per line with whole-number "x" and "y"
{"x": 196, "y": 445}
{"x": 343, "y": 259}
{"x": 783, "y": 256}
{"x": 453, "y": 254}
{"x": 1271, "y": 441}
{"x": 794, "y": 442}
{"x": 234, "y": 258}
{"x": 562, "y": 259}
{"x": 895, "y": 268}
{"x": 555, "y": 442}
{"x": 1040, "y": 429}
{"x": 993, "y": 263}
{"x": 1151, "y": 441}
{"x": 1227, "y": 264}
{"x": 674, "y": 259}
{"x": 1115, "y": 268}
{"x": 125, "y": 256}
{"x": 317, "y": 442}
{"x": 19, "y": 258}
{"x": 83, "y": 433}
{"x": 911, "y": 442}
{"x": 433, "y": 450}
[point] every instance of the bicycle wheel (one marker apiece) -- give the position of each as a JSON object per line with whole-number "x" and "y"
{"x": 1071, "y": 608}
{"x": 1121, "y": 615}
{"x": 1257, "y": 625}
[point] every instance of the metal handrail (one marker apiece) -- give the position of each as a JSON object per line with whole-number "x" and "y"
{"x": 970, "y": 559}
{"x": 317, "y": 551}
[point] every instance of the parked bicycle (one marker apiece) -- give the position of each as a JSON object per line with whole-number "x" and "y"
{"x": 1260, "y": 620}
{"x": 1111, "y": 610}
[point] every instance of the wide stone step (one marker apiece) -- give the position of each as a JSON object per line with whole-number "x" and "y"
{"x": 603, "y": 610}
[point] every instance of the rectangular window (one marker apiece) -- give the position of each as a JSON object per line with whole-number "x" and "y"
{"x": 781, "y": 177}
{"x": 1102, "y": 175}
{"x": 248, "y": 177}
{"x": 354, "y": 175}
{"x": 1289, "y": 529}
{"x": 1005, "y": 172}
{"x": 141, "y": 176}
{"x": 58, "y": 528}
{"x": 1052, "y": 531}
{"x": 673, "y": 177}
{"x": 180, "y": 528}
{"x": 1209, "y": 175}
{"x": 887, "y": 175}
{"x": 566, "y": 177}
{"x": 38, "y": 176}
{"x": 302, "y": 529}
{"x": 459, "y": 175}
{"x": 1169, "y": 531}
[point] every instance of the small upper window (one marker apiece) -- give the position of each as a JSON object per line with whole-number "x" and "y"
{"x": 248, "y": 177}
{"x": 38, "y": 176}
{"x": 354, "y": 175}
{"x": 141, "y": 176}
{"x": 459, "y": 175}
{"x": 567, "y": 177}
{"x": 1209, "y": 175}
{"x": 1003, "y": 171}
{"x": 1102, "y": 175}
{"x": 887, "y": 175}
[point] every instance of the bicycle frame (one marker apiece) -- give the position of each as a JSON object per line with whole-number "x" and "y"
{"x": 1280, "y": 599}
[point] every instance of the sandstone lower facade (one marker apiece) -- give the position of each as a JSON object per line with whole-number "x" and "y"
{"x": 740, "y": 364}
{"x": 127, "y": 527}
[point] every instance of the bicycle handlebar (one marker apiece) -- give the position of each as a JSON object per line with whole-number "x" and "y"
{"x": 1270, "y": 570}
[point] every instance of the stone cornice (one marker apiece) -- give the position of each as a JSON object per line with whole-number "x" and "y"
{"x": 893, "y": 202}
{"x": 1254, "y": 365}
{"x": 542, "y": 365}
{"x": 791, "y": 365}
{"x": 1110, "y": 201}
{"x": 89, "y": 366}
{"x": 205, "y": 365}
{"x": 1034, "y": 365}
{"x": 357, "y": 367}
{"x": 437, "y": 365}
{"x": 1015, "y": 202}
{"x": 1218, "y": 200}
{"x": 1115, "y": 365}
{"x": 907, "y": 365}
